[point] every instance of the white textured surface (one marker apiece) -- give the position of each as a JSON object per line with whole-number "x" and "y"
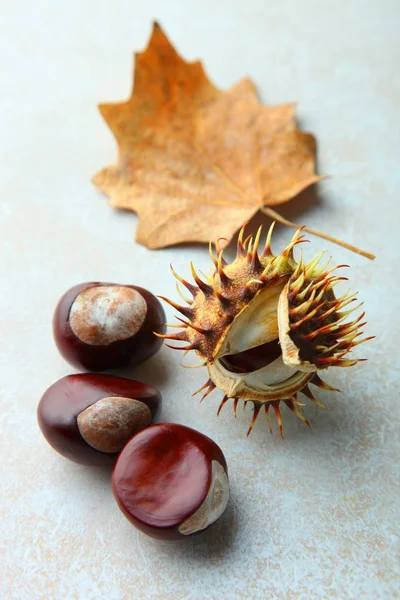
{"x": 313, "y": 516}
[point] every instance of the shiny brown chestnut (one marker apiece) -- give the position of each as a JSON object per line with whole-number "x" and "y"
{"x": 99, "y": 326}
{"x": 89, "y": 417}
{"x": 171, "y": 481}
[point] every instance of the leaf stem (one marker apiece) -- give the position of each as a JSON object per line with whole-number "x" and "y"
{"x": 274, "y": 215}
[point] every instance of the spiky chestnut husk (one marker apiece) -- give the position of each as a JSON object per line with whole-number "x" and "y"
{"x": 265, "y": 324}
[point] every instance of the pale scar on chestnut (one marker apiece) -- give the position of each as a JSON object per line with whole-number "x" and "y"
{"x": 101, "y": 315}
{"x": 214, "y": 504}
{"x": 108, "y": 424}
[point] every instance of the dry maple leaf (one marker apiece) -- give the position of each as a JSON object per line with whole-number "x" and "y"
{"x": 195, "y": 163}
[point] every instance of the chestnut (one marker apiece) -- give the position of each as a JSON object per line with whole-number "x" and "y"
{"x": 89, "y": 417}
{"x": 171, "y": 481}
{"x": 100, "y": 326}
